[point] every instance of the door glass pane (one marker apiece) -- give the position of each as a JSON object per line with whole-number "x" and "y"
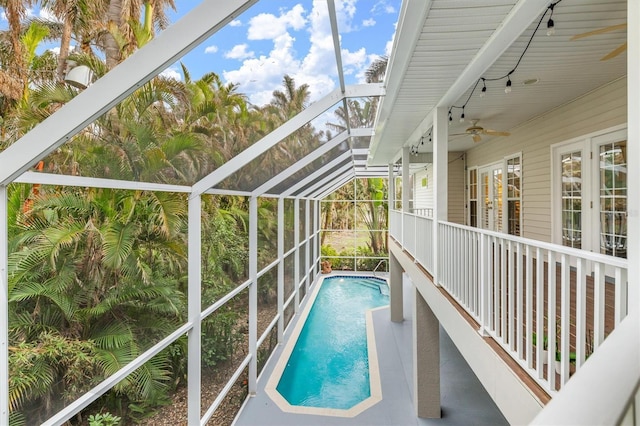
{"x": 485, "y": 200}
{"x": 572, "y": 199}
{"x": 513, "y": 195}
{"x": 497, "y": 199}
{"x": 613, "y": 199}
{"x": 473, "y": 197}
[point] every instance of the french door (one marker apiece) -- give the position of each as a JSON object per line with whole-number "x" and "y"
{"x": 491, "y": 197}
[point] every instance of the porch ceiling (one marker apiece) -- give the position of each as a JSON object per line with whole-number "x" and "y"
{"x": 443, "y": 47}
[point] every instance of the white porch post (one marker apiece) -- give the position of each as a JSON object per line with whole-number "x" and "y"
{"x": 633, "y": 153}
{"x": 253, "y": 294}
{"x": 440, "y": 164}
{"x": 406, "y": 180}
{"x": 392, "y": 188}
{"x": 4, "y": 308}
{"x": 194, "y": 255}
{"x": 316, "y": 239}
{"x": 296, "y": 253}
{"x": 280, "y": 269}
{"x": 307, "y": 246}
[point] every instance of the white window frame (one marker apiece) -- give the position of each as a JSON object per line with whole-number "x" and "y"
{"x": 588, "y": 143}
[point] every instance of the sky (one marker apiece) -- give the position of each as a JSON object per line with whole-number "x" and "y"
{"x": 278, "y": 37}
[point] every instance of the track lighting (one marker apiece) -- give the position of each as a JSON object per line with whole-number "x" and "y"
{"x": 508, "y": 88}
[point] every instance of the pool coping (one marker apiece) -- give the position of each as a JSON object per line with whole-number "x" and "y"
{"x": 372, "y": 353}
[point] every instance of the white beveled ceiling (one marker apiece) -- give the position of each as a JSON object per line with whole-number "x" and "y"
{"x": 442, "y": 47}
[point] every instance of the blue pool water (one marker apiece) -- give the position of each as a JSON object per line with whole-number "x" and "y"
{"x": 329, "y": 365}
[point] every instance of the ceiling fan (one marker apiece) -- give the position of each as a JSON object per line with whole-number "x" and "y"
{"x": 476, "y": 131}
{"x": 615, "y": 52}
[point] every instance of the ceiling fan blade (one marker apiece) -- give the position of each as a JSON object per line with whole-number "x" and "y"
{"x": 495, "y": 133}
{"x": 476, "y": 138}
{"x": 599, "y": 31}
{"x": 615, "y": 52}
{"x": 458, "y": 134}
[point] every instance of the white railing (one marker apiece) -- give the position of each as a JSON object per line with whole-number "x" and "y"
{"x": 395, "y": 225}
{"x": 537, "y": 300}
{"x": 427, "y": 212}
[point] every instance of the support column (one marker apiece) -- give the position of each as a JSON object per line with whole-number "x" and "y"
{"x": 633, "y": 152}
{"x": 4, "y": 308}
{"x": 307, "y": 246}
{"x": 194, "y": 255}
{"x": 426, "y": 360}
{"x": 395, "y": 289}
{"x": 253, "y": 294}
{"x": 280, "y": 270}
{"x": 296, "y": 253}
{"x": 440, "y": 170}
{"x": 316, "y": 234}
{"x": 391, "y": 188}
{"x": 406, "y": 180}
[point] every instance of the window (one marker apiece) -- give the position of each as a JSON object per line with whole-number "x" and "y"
{"x": 473, "y": 197}
{"x": 514, "y": 173}
{"x": 590, "y": 186}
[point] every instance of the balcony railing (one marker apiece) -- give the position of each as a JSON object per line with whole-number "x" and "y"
{"x": 547, "y": 305}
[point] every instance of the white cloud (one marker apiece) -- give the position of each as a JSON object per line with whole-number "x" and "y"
{"x": 211, "y": 49}
{"x": 3, "y": 16}
{"x": 235, "y": 23}
{"x": 383, "y": 7}
{"x": 369, "y": 22}
{"x": 171, "y": 73}
{"x": 55, "y": 50}
{"x": 239, "y": 51}
{"x": 267, "y": 26}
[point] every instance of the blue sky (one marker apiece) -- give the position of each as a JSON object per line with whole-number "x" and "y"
{"x": 277, "y": 37}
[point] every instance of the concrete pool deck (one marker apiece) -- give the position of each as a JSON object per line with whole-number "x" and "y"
{"x": 463, "y": 399}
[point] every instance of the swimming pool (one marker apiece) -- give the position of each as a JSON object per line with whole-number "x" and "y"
{"x": 330, "y": 364}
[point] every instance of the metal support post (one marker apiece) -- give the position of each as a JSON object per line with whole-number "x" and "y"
{"x": 281, "y": 270}
{"x": 253, "y": 294}
{"x": 307, "y": 246}
{"x": 296, "y": 253}
{"x": 194, "y": 301}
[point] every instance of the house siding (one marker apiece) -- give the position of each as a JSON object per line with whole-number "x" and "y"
{"x": 603, "y": 108}
{"x": 423, "y": 196}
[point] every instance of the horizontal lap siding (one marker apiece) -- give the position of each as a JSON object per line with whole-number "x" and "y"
{"x": 603, "y": 108}
{"x": 456, "y": 195}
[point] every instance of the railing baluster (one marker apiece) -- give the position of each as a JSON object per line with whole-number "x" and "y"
{"x": 503, "y": 290}
{"x": 598, "y": 305}
{"x": 581, "y": 314}
{"x": 511, "y": 293}
{"x": 529, "y": 310}
{"x": 496, "y": 286}
{"x": 551, "y": 318}
{"x": 519, "y": 302}
{"x": 541, "y": 336}
{"x": 621, "y": 295}
{"x": 565, "y": 317}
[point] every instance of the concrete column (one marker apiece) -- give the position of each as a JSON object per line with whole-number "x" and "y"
{"x": 395, "y": 289}
{"x": 426, "y": 360}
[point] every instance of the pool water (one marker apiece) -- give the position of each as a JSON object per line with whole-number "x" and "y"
{"x": 329, "y": 365}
